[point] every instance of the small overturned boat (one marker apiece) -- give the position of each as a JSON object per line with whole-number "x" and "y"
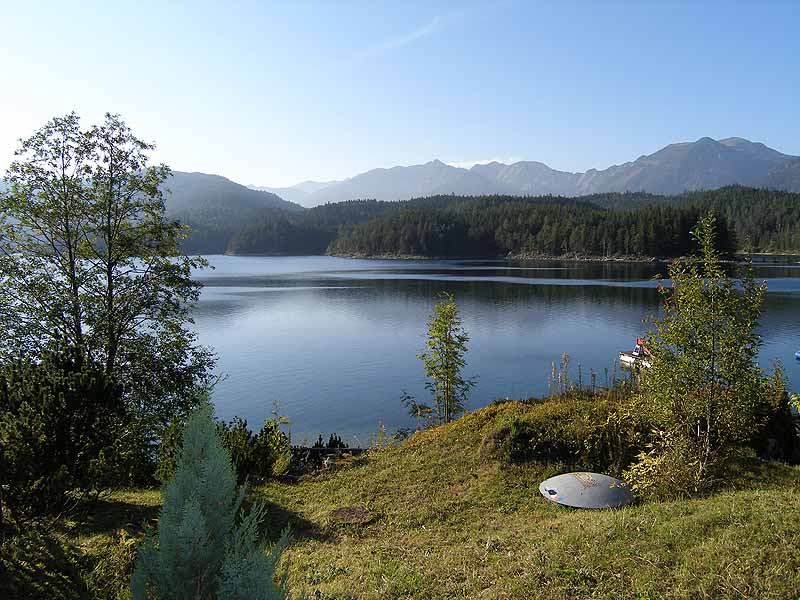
{"x": 639, "y": 357}
{"x": 586, "y": 490}
{"x": 797, "y": 355}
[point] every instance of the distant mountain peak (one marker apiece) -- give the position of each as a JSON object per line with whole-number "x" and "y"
{"x": 705, "y": 163}
{"x": 736, "y": 141}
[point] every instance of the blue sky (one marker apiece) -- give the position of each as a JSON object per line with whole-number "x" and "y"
{"x": 276, "y": 93}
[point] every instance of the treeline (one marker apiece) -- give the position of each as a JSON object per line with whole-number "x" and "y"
{"x": 761, "y": 220}
{"x": 309, "y": 232}
{"x": 314, "y": 231}
{"x": 529, "y": 229}
{"x": 768, "y": 220}
{"x": 611, "y": 224}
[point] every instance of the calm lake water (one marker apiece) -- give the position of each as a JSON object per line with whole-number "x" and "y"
{"x": 335, "y": 341}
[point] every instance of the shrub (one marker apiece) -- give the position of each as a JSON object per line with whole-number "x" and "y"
{"x": 779, "y": 439}
{"x": 199, "y": 551}
{"x": 590, "y": 433}
{"x": 257, "y": 457}
{"x": 705, "y": 394}
{"x": 260, "y": 456}
{"x": 59, "y": 420}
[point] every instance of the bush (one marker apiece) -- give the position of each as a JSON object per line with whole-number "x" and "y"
{"x": 257, "y": 457}
{"x": 203, "y": 548}
{"x": 335, "y": 441}
{"x": 59, "y": 420}
{"x": 780, "y": 437}
{"x": 260, "y": 456}
{"x": 587, "y": 433}
{"x": 705, "y": 393}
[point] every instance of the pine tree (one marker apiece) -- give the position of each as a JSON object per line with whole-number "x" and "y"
{"x": 60, "y": 418}
{"x": 199, "y": 551}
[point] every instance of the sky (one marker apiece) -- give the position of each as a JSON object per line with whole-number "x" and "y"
{"x": 274, "y": 93}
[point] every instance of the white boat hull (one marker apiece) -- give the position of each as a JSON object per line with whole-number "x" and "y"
{"x": 630, "y": 360}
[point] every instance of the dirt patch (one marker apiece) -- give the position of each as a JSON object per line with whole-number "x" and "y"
{"x": 351, "y": 515}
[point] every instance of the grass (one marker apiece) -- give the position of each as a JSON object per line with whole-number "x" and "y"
{"x": 452, "y": 521}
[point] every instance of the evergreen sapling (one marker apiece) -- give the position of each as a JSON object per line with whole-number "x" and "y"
{"x": 200, "y": 551}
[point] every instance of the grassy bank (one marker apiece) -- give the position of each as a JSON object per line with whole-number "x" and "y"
{"x": 450, "y": 522}
{"x": 450, "y": 519}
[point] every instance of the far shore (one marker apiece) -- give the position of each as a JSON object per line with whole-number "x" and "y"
{"x": 562, "y": 258}
{"x": 542, "y": 257}
{"x": 568, "y": 257}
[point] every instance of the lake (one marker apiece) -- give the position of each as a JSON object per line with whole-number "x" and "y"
{"x": 335, "y": 340}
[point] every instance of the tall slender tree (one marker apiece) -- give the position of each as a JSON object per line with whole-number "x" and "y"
{"x": 444, "y": 361}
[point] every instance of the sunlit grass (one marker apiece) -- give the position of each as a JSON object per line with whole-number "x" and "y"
{"x": 451, "y": 523}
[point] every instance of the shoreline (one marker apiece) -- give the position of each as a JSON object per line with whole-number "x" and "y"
{"x": 564, "y": 258}
{"x": 575, "y": 258}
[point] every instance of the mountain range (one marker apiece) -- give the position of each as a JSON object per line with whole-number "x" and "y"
{"x": 218, "y": 209}
{"x": 687, "y": 166}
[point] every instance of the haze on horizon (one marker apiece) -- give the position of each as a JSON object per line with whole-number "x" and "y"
{"x": 277, "y": 93}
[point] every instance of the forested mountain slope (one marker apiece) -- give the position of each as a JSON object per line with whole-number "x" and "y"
{"x": 216, "y": 208}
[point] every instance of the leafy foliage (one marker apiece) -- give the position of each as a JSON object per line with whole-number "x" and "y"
{"x": 705, "y": 394}
{"x": 199, "y": 551}
{"x": 579, "y": 430}
{"x": 444, "y": 360}
{"x": 88, "y": 257}
{"x": 423, "y": 414}
{"x": 59, "y": 424}
{"x": 256, "y": 457}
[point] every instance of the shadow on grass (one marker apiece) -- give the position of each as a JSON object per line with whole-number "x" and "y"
{"x": 38, "y": 566}
{"x": 278, "y": 517}
{"x": 108, "y": 515}
{"x": 753, "y": 474}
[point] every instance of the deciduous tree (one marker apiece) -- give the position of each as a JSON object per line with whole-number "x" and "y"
{"x": 88, "y": 257}
{"x": 705, "y": 393}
